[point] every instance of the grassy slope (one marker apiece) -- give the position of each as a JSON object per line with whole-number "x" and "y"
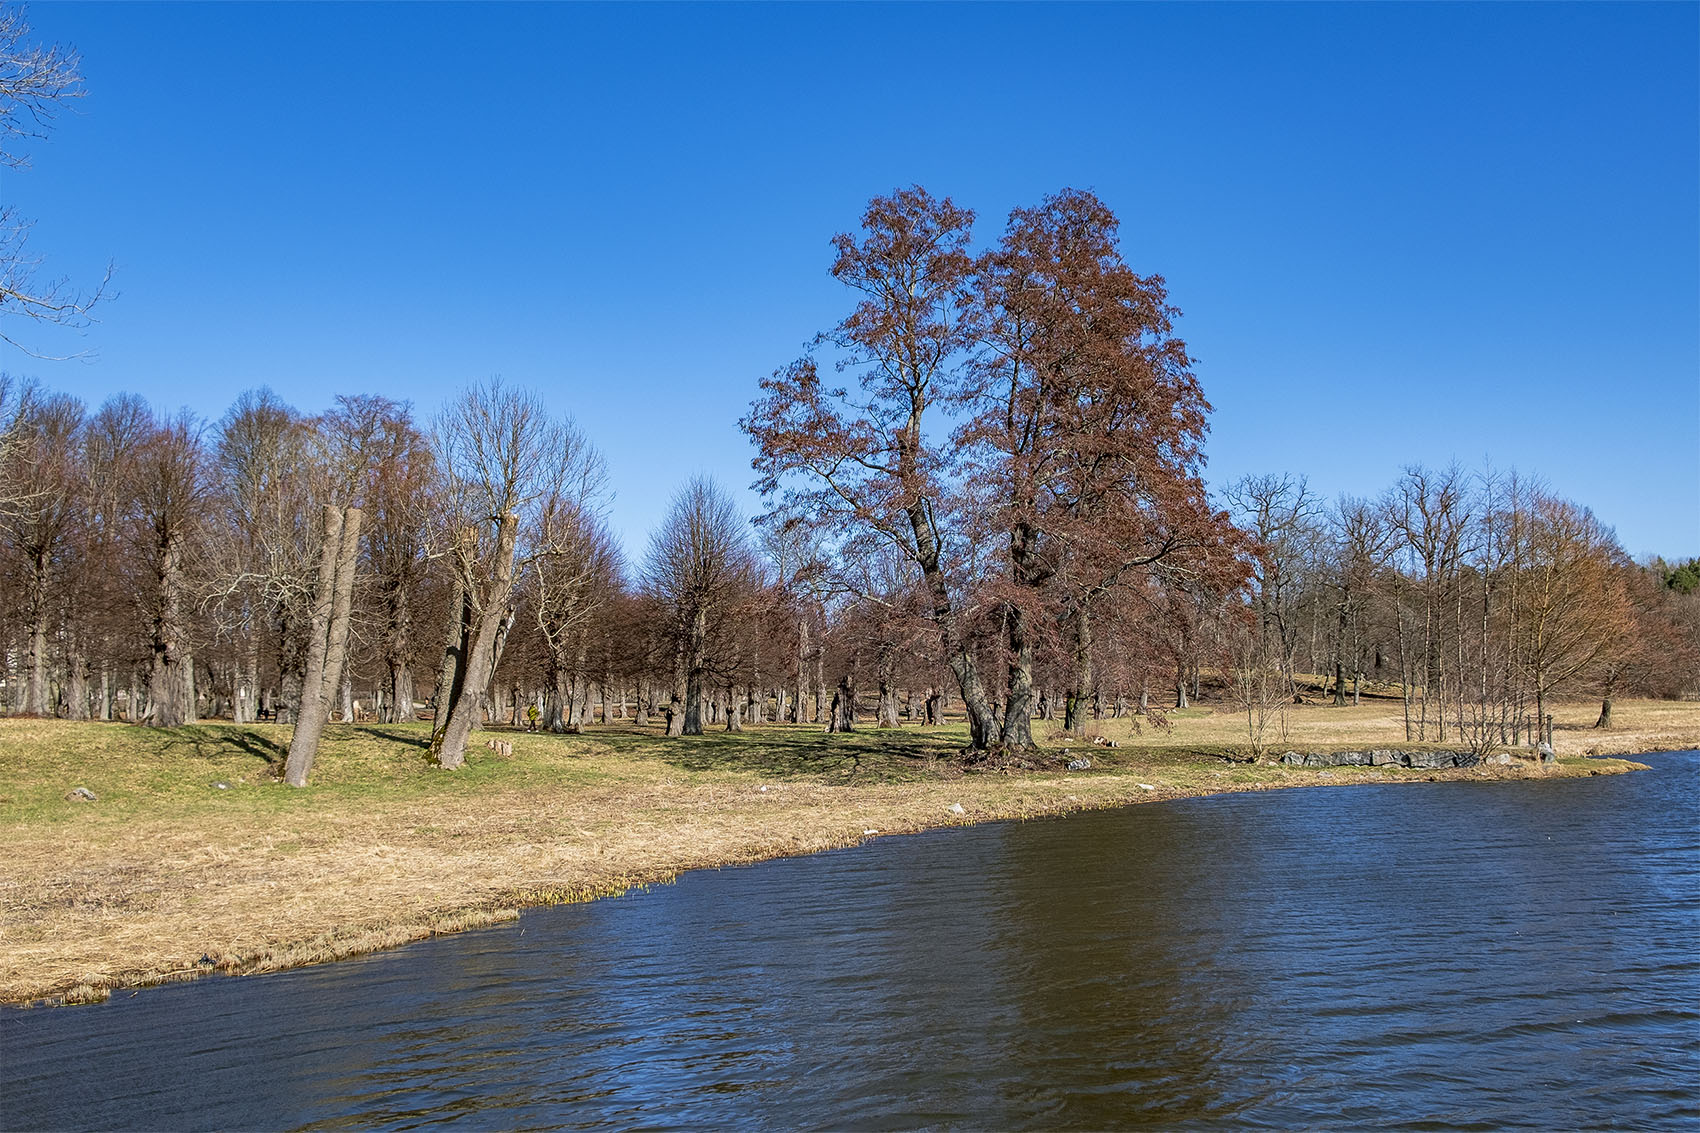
{"x": 169, "y": 875}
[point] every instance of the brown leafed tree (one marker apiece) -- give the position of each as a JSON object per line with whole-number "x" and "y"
{"x": 1573, "y": 607}
{"x": 863, "y": 459}
{"x": 1088, "y": 432}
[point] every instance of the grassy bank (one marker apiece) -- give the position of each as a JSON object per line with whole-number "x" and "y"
{"x": 193, "y": 859}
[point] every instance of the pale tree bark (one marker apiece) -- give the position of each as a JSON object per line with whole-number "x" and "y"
{"x": 327, "y": 648}
{"x": 492, "y": 616}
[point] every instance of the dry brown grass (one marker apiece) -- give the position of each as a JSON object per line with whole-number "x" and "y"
{"x": 168, "y": 876}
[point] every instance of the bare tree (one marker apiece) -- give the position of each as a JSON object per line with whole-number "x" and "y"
{"x": 575, "y": 573}
{"x": 501, "y": 455}
{"x": 698, "y": 563}
{"x": 35, "y": 82}
{"x": 168, "y": 510}
{"x": 1574, "y": 607}
{"x": 39, "y": 530}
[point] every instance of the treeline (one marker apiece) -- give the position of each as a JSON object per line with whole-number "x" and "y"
{"x": 999, "y": 513}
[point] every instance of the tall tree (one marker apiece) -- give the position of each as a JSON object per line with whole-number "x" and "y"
{"x": 866, "y": 461}
{"x": 168, "y": 513}
{"x": 501, "y": 454}
{"x": 1088, "y": 429}
{"x": 40, "y": 528}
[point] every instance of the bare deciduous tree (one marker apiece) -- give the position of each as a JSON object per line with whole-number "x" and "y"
{"x": 699, "y": 562}
{"x": 501, "y": 455}
{"x": 35, "y": 82}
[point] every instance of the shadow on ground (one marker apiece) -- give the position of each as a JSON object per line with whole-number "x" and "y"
{"x": 800, "y": 751}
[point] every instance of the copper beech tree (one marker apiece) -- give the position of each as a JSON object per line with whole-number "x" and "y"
{"x": 1078, "y": 428}
{"x": 864, "y": 460}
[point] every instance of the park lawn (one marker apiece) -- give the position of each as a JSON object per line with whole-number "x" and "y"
{"x": 194, "y": 859}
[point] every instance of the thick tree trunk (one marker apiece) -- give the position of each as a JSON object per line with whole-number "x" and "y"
{"x": 36, "y": 684}
{"x": 450, "y": 745}
{"x": 170, "y": 691}
{"x": 457, "y": 640}
{"x": 843, "y": 713}
{"x": 694, "y": 670}
{"x": 76, "y": 681}
{"x": 327, "y": 648}
{"x": 885, "y": 714}
{"x": 676, "y": 706}
{"x": 641, "y": 718}
{"x": 734, "y": 711}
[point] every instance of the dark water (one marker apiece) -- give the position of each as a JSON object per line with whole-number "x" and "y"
{"x": 1447, "y": 956}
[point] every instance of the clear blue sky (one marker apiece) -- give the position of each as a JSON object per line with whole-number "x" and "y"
{"x": 1398, "y": 232}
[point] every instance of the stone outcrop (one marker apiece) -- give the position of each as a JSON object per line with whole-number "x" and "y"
{"x": 1382, "y": 757}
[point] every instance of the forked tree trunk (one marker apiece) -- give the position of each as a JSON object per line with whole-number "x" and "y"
{"x": 450, "y": 745}
{"x": 327, "y": 648}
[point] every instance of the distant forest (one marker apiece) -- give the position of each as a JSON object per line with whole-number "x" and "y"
{"x": 984, "y": 502}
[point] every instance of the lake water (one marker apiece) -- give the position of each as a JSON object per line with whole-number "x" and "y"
{"x": 1436, "y": 956}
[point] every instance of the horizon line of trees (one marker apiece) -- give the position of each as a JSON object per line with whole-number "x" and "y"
{"x": 985, "y": 491}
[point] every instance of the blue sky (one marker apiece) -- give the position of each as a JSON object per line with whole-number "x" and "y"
{"x": 1399, "y": 233}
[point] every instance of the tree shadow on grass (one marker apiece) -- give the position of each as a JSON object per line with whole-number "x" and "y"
{"x": 210, "y": 742}
{"x": 799, "y": 752}
{"x": 410, "y": 737}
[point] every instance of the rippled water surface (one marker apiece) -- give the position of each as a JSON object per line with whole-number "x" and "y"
{"x": 1438, "y": 956}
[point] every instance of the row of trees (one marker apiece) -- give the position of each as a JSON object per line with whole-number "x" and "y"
{"x": 998, "y": 506}
{"x": 1476, "y": 597}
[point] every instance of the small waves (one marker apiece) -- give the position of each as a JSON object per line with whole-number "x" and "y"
{"x": 1451, "y": 957}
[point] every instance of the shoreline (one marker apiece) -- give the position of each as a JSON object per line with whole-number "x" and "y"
{"x": 174, "y": 900}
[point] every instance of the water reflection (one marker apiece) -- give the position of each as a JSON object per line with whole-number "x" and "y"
{"x": 1439, "y": 956}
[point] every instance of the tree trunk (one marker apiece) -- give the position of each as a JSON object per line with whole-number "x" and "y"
{"x": 1018, "y": 709}
{"x": 76, "y": 683}
{"x": 698, "y": 635}
{"x": 676, "y": 706}
{"x": 457, "y": 639}
{"x": 450, "y": 745}
{"x": 734, "y": 711}
{"x": 169, "y": 679}
{"x": 1074, "y": 711}
{"x": 327, "y": 649}
{"x": 843, "y": 714}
